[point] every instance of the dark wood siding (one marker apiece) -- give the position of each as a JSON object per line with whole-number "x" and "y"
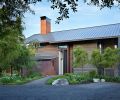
{"x": 52, "y": 49}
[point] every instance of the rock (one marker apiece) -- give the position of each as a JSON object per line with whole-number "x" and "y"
{"x": 96, "y": 80}
{"x": 60, "y": 82}
{"x": 102, "y": 80}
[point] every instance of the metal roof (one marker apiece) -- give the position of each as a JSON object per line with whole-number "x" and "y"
{"x": 39, "y": 38}
{"x": 44, "y": 56}
{"x": 89, "y": 33}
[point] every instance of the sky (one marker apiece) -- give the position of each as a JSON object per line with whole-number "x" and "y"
{"x": 86, "y": 16}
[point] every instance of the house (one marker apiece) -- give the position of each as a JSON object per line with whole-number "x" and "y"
{"x": 54, "y": 52}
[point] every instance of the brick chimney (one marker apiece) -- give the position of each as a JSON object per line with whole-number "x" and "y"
{"x": 45, "y": 25}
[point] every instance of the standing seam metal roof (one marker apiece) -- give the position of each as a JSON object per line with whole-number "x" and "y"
{"x": 89, "y": 33}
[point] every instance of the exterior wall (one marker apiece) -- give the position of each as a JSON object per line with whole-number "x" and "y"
{"x": 47, "y": 67}
{"x": 70, "y": 58}
{"x": 119, "y": 63}
{"x": 48, "y": 49}
{"x": 108, "y": 43}
{"x": 89, "y": 47}
{"x": 118, "y": 42}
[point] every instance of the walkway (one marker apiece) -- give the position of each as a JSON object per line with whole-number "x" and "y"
{"x": 41, "y": 81}
{"x": 93, "y": 91}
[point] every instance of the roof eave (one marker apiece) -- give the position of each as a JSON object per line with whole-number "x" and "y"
{"x": 85, "y": 39}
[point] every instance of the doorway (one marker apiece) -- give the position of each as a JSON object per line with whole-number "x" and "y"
{"x": 64, "y": 61}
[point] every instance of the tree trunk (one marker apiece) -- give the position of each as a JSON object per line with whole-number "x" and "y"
{"x": 11, "y": 70}
{"x": 0, "y": 71}
{"x": 21, "y": 72}
{"x": 100, "y": 71}
{"x": 82, "y": 69}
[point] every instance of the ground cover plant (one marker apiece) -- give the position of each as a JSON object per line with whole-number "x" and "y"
{"x": 17, "y": 79}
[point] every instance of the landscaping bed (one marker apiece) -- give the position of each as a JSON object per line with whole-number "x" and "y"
{"x": 16, "y": 79}
{"x": 82, "y": 78}
{"x": 72, "y": 78}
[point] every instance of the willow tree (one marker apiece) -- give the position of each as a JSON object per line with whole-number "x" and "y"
{"x": 80, "y": 57}
{"x": 9, "y": 48}
{"x": 24, "y": 60}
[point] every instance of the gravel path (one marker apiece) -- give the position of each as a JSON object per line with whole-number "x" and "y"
{"x": 93, "y": 91}
{"x": 41, "y": 81}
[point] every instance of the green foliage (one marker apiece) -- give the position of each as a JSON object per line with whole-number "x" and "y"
{"x": 12, "y": 51}
{"x": 80, "y": 57}
{"x": 73, "y": 78}
{"x": 9, "y": 79}
{"x": 18, "y": 8}
{"x": 24, "y": 59}
{"x": 49, "y": 81}
{"x": 92, "y": 74}
{"x": 8, "y": 50}
{"x": 117, "y": 53}
{"x": 96, "y": 58}
{"x": 109, "y": 57}
{"x": 16, "y": 79}
{"x": 83, "y": 78}
{"x": 112, "y": 79}
{"x": 33, "y": 74}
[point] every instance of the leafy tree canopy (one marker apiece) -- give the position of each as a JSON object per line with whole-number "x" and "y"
{"x": 80, "y": 57}
{"x": 15, "y": 8}
{"x": 96, "y": 58}
{"x": 109, "y": 57}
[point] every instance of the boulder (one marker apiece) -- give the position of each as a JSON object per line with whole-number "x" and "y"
{"x": 60, "y": 82}
{"x": 96, "y": 80}
{"x": 102, "y": 80}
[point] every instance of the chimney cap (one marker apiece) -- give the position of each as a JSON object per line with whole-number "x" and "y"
{"x": 44, "y": 17}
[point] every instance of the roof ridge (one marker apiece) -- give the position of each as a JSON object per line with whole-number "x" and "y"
{"x": 86, "y": 27}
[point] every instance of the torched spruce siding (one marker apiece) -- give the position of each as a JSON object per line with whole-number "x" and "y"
{"x": 48, "y": 67}
{"x": 89, "y": 46}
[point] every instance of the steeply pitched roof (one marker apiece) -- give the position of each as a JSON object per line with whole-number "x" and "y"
{"x": 89, "y": 33}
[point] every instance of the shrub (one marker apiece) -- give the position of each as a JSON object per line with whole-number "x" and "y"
{"x": 73, "y": 78}
{"x": 112, "y": 79}
{"x": 33, "y": 74}
{"x": 96, "y": 58}
{"x": 109, "y": 57}
{"x": 50, "y": 81}
{"x": 80, "y": 57}
{"x": 92, "y": 74}
{"x": 9, "y": 79}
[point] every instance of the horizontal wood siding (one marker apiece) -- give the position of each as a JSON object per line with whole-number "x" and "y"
{"x": 48, "y": 49}
{"x": 48, "y": 67}
{"x": 71, "y": 57}
{"x": 89, "y": 47}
